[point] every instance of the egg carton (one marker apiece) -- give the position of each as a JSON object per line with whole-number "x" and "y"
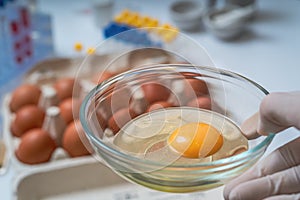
{"x": 43, "y": 76}
{"x": 45, "y": 73}
{"x": 58, "y": 156}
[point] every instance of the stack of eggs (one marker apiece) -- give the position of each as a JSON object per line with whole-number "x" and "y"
{"x": 46, "y": 118}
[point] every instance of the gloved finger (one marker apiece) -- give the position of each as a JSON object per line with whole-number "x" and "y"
{"x": 249, "y": 127}
{"x": 283, "y": 182}
{"x": 282, "y": 158}
{"x": 279, "y": 111}
{"x": 284, "y": 197}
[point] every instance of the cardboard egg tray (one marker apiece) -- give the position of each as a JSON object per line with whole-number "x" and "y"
{"x": 44, "y": 79}
{"x": 45, "y": 73}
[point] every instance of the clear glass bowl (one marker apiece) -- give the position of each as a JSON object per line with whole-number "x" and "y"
{"x": 232, "y": 95}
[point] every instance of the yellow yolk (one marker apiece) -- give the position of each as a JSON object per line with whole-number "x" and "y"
{"x": 196, "y": 140}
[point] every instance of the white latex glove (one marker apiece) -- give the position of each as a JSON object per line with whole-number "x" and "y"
{"x": 278, "y": 175}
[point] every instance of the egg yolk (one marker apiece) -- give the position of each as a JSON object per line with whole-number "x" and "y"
{"x": 196, "y": 140}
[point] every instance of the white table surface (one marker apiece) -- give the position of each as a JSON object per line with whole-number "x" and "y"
{"x": 268, "y": 53}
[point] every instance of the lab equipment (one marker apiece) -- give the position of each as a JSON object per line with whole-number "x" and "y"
{"x": 25, "y": 38}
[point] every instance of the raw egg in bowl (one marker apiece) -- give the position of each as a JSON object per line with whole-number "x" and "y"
{"x": 178, "y": 146}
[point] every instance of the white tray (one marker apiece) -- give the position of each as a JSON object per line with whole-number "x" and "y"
{"x": 91, "y": 180}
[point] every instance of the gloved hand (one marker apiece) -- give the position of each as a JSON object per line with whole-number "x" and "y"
{"x": 278, "y": 175}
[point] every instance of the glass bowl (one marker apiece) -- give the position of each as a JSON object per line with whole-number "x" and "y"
{"x": 232, "y": 96}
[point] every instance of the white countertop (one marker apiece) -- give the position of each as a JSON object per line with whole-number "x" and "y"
{"x": 268, "y": 53}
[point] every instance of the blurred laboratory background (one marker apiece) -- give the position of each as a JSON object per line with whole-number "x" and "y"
{"x": 258, "y": 39}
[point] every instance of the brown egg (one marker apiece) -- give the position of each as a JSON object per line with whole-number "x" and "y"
{"x": 155, "y": 92}
{"x": 64, "y": 88}
{"x": 117, "y": 99}
{"x": 69, "y": 109}
{"x": 74, "y": 140}
{"x": 103, "y": 76}
{"x": 120, "y": 118}
{"x": 158, "y": 105}
{"x": 101, "y": 121}
{"x": 24, "y": 95}
{"x": 200, "y": 102}
{"x": 195, "y": 88}
{"x": 28, "y": 117}
{"x": 36, "y": 147}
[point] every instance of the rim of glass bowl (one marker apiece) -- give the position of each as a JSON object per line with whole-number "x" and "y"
{"x": 173, "y": 67}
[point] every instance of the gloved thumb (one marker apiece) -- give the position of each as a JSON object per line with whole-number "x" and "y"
{"x": 277, "y": 112}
